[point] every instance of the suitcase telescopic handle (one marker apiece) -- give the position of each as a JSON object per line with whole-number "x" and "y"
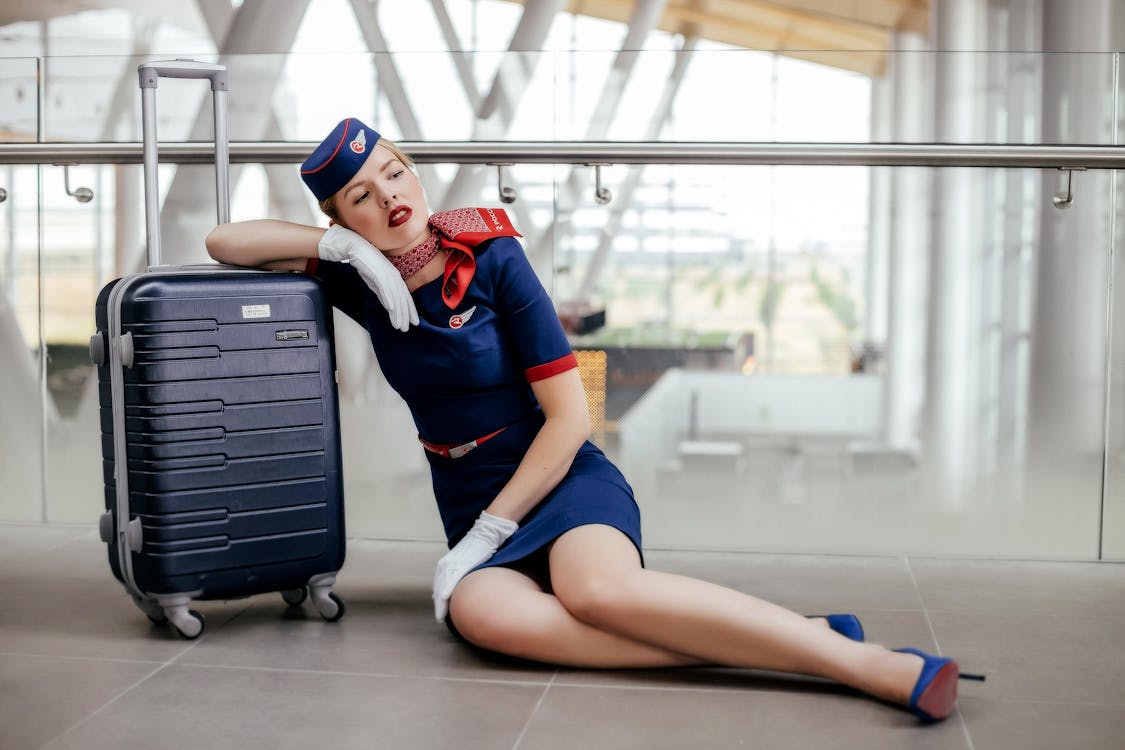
{"x": 149, "y": 73}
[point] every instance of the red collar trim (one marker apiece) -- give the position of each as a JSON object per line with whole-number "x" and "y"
{"x": 460, "y": 267}
{"x": 460, "y": 231}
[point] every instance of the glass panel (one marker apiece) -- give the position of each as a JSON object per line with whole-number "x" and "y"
{"x": 753, "y": 403}
{"x": 407, "y": 96}
{"x": 19, "y": 96}
{"x": 841, "y": 359}
{"x": 1113, "y": 510}
{"x": 577, "y": 95}
{"x": 78, "y": 257}
{"x": 21, "y": 409}
{"x": 741, "y": 95}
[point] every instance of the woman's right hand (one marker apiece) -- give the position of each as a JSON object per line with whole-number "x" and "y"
{"x": 345, "y": 246}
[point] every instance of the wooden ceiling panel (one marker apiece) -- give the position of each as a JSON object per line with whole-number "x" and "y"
{"x": 848, "y": 34}
{"x": 886, "y": 14}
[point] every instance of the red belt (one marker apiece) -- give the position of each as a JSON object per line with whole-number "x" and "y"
{"x": 456, "y": 451}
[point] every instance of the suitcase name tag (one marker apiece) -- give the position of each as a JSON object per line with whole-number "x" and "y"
{"x": 250, "y": 312}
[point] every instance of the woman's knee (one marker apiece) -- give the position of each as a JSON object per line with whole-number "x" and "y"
{"x": 481, "y": 612}
{"x": 599, "y": 600}
{"x": 594, "y": 574}
{"x": 473, "y": 618}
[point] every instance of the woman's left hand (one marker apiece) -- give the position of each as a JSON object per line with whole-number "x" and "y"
{"x": 481, "y": 543}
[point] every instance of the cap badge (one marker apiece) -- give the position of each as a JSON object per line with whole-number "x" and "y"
{"x": 461, "y": 319}
{"x": 359, "y": 145}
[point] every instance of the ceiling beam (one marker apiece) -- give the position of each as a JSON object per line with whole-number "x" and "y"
{"x": 848, "y": 34}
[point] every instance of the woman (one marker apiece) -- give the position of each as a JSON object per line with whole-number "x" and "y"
{"x": 545, "y": 560}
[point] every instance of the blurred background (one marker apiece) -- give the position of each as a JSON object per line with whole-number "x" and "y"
{"x": 816, "y": 358}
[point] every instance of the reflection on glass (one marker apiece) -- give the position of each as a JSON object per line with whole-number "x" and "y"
{"x": 21, "y": 410}
{"x": 19, "y": 100}
{"x": 790, "y": 358}
{"x": 753, "y": 403}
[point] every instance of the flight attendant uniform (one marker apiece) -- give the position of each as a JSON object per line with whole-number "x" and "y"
{"x": 488, "y": 330}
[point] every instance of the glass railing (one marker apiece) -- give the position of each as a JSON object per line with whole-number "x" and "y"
{"x": 814, "y": 356}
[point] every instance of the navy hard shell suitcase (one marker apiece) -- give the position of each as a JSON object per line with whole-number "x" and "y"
{"x": 219, "y": 421}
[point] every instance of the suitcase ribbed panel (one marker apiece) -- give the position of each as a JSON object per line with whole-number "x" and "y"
{"x": 214, "y": 415}
{"x": 235, "y": 391}
{"x": 221, "y": 553}
{"x": 163, "y": 533}
{"x": 171, "y": 475}
{"x": 155, "y": 446}
{"x": 232, "y": 433}
{"x": 230, "y": 365}
{"x": 225, "y": 500}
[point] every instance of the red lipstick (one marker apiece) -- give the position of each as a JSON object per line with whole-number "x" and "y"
{"x": 399, "y": 215}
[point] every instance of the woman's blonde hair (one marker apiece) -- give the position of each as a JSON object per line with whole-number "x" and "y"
{"x": 328, "y": 205}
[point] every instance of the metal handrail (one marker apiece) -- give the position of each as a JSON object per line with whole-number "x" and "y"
{"x": 616, "y": 152}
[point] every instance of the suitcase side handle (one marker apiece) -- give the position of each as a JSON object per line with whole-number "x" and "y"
{"x": 148, "y": 75}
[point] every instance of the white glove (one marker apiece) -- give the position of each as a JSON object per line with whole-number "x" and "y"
{"x": 481, "y": 543}
{"x": 345, "y": 246}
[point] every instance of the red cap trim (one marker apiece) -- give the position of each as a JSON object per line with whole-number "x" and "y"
{"x": 343, "y": 137}
{"x": 552, "y": 368}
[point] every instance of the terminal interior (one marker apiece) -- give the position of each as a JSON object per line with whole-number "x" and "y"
{"x": 869, "y": 382}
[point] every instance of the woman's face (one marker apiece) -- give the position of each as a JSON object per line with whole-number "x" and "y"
{"x": 384, "y": 202}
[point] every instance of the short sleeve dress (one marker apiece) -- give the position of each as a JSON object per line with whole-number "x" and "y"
{"x": 466, "y": 371}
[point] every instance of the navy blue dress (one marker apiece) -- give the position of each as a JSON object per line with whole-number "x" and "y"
{"x": 466, "y": 372}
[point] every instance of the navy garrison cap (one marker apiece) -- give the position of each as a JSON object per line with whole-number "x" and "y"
{"x": 338, "y": 157}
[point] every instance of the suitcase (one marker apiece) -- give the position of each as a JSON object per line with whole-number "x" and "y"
{"x": 219, "y": 420}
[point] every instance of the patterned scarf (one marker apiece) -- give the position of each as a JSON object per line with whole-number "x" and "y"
{"x": 459, "y": 231}
{"x": 411, "y": 262}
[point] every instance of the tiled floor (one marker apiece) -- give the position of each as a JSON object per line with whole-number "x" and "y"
{"x": 80, "y": 667}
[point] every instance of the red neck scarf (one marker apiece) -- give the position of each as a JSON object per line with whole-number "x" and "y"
{"x": 459, "y": 231}
{"x": 411, "y": 262}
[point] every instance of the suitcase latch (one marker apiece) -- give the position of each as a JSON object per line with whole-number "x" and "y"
{"x": 291, "y": 335}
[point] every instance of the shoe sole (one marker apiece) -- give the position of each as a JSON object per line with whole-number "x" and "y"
{"x": 937, "y": 700}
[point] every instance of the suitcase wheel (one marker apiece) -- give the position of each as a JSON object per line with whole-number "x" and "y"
{"x": 189, "y": 625}
{"x": 295, "y": 597}
{"x": 187, "y": 622}
{"x": 331, "y": 607}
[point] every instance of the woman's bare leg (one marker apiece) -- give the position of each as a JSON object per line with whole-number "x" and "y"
{"x": 597, "y": 576}
{"x": 505, "y": 611}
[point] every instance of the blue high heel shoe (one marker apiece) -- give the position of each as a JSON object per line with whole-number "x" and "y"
{"x": 848, "y": 626}
{"x": 935, "y": 693}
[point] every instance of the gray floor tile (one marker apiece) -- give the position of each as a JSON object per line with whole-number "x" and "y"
{"x": 1017, "y": 588}
{"x": 387, "y": 675}
{"x": 995, "y": 725}
{"x": 18, "y": 542}
{"x": 267, "y": 709}
{"x": 68, "y": 603}
{"x": 655, "y": 719}
{"x": 897, "y": 629}
{"x": 378, "y": 636}
{"x": 389, "y": 626}
{"x": 807, "y": 583}
{"x": 42, "y": 696}
{"x": 1044, "y": 658}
